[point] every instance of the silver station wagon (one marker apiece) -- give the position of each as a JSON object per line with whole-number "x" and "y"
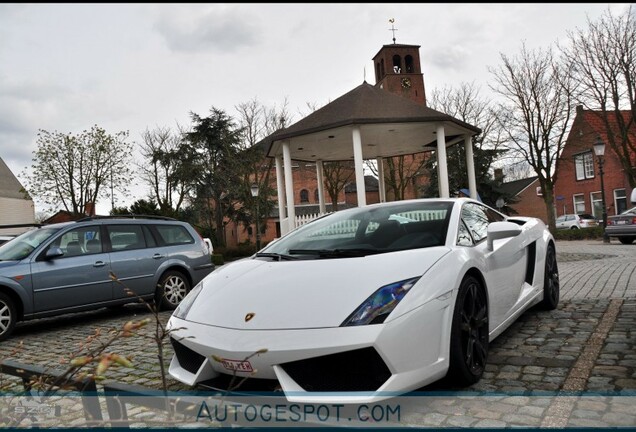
{"x": 67, "y": 267}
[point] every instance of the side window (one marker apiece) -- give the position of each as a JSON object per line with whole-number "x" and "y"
{"x": 476, "y": 220}
{"x": 125, "y": 237}
{"x": 463, "y": 235}
{"x": 79, "y": 241}
{"x": 174, "y": 234}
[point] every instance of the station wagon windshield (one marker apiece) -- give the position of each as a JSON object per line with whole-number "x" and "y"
{"x": 367, "y": 231}
{"x": 22, "y": 246}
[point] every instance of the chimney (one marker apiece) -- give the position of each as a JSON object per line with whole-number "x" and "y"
{"x": 579, "y": 109}
{"x": 89, "y": 209}
{"x": 499, "y": 176}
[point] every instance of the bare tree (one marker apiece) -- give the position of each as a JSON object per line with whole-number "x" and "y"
{"x": 258, "y": 121}
{"x": 465, "y": 103}
{"x": 603, "y": 61}
{"x": 163, "y": 169}
{"x": 336, "y": 175}
{"x": 536, "y": 110}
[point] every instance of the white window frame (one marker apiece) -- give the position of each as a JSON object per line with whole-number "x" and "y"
{"x": 574, "y": 202}
{"x": 616, "y": 199}
{"x": 584, "y": 166}
{"x": 600, "y": 201}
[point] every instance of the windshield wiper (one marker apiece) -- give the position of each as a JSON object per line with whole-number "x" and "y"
{"x": 336, "y": 253}
{"x": 277, "y": 256}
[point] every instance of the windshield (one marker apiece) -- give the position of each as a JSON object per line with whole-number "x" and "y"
{"x": 21, "y": 246}
{"x": 368, "y": 230}
{"x": 630, "y": 211}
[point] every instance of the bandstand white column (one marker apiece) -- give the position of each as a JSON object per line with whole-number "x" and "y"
{"x": 321, "y": 187}
{"x": 358, "y": 161}
{"x": 381, "y": 184}
{"x": 470, "y": 166}
{"x": 289, "y": 187}
{"x": 442, "y": 163}
{"x": 280, "y": 186}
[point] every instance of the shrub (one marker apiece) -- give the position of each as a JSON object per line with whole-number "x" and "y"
{"x": 217, "y": 259}
{"x": 579, "y": 234}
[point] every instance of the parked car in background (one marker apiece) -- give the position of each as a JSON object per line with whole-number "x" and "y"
{"x": 208, "y": 243}
{"x": 67, "y": 267}
{"x": 366, "y": 302}
{"x": 576, "y": 221}
{"x": 622, "y": 226}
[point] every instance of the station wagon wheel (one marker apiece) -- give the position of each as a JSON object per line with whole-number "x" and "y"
{"x": 469, "y": 334}
{"x": 172, "y": 288}
{"x": 551, "y": 290}
{"x": 7, "y": 316}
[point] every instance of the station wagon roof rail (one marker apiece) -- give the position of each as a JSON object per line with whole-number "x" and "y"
{"x": 126, "y": 217}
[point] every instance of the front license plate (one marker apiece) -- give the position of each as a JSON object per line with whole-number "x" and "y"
{"x": 237, "y": 365}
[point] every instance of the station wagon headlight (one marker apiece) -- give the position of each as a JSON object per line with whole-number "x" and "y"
{"x": 380, "y": 304}
{"x": 184, "y": 307}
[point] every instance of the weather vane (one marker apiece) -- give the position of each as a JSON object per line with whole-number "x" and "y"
{"x": 392, "y": 29}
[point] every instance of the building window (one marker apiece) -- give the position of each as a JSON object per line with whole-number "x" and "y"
{"x": 408, "y": 63}
{"x": 397, "y": 64}
{"x": 597, "y": 204}
{"x": 584, "y": 163}
{"x": 579, "y": 204}
{"x": 620, "y": 200}
{"x": 304, "y": 196}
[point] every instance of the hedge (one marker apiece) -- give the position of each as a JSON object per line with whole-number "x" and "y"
{"x": 594, "y": 233}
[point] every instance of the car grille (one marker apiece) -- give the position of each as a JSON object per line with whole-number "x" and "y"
{"x": 188, "y": 359}
{"x": 357, "y": 370}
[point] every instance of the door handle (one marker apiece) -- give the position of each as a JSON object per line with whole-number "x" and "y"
{"x": 157, "y": 256}
{"x": 99, "y": 264}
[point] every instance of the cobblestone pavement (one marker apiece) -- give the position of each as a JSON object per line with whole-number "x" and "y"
{"x": 587, "y": 345}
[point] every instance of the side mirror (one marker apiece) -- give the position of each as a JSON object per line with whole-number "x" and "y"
{"x": 633, "y": 198}
{"x": 53, "y": 252}
{"x": 500, "y": 230}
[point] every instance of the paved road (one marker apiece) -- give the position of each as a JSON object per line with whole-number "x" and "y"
{"x": 587, "y": 344}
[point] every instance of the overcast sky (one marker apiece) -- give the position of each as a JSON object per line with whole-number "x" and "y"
{"x": 128, "y": 67}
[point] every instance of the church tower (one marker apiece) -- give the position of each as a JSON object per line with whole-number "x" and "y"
{"x": 397, "y": 69}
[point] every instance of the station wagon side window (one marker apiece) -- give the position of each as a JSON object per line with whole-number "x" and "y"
{"x": 79, "y": 241}
{"x": 173, "y": 234}
{"x": 125, "y": 237}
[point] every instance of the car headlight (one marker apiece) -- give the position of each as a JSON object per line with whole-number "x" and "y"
{"x": 184, "y": 307}
{"x": 380, "y": 304}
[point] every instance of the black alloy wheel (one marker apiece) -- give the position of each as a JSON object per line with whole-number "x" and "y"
{"x": 469, "y": 334}
{"x": 551, "y": 287}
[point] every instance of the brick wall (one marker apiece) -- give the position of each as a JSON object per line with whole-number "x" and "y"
{"x": 585, "y": 130}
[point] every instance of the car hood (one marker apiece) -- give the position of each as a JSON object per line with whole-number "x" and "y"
{"x": 8, "y": 263}
{"x": 312, "y": 293}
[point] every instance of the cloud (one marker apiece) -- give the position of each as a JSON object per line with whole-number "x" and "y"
{"x": 220, "y": 29}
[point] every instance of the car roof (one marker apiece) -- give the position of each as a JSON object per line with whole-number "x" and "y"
{"x": 120, "y": 219}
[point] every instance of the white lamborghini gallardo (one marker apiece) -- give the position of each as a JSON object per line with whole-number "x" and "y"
{"x": 369, "y": 302}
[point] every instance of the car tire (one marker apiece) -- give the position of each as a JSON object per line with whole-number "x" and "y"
{"x": 173, "y": 287}
{"x": 8, "y": 316}
{"x": 551, "y": 288}
{"x": 469, "y": 334}
{"x": 626, "y": 240}
{"x": 574, "y": 227}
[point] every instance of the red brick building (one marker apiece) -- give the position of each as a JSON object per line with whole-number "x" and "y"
{"x": 578, "y": 185}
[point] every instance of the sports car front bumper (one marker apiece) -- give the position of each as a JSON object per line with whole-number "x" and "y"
{"x": 346, "y": 364}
